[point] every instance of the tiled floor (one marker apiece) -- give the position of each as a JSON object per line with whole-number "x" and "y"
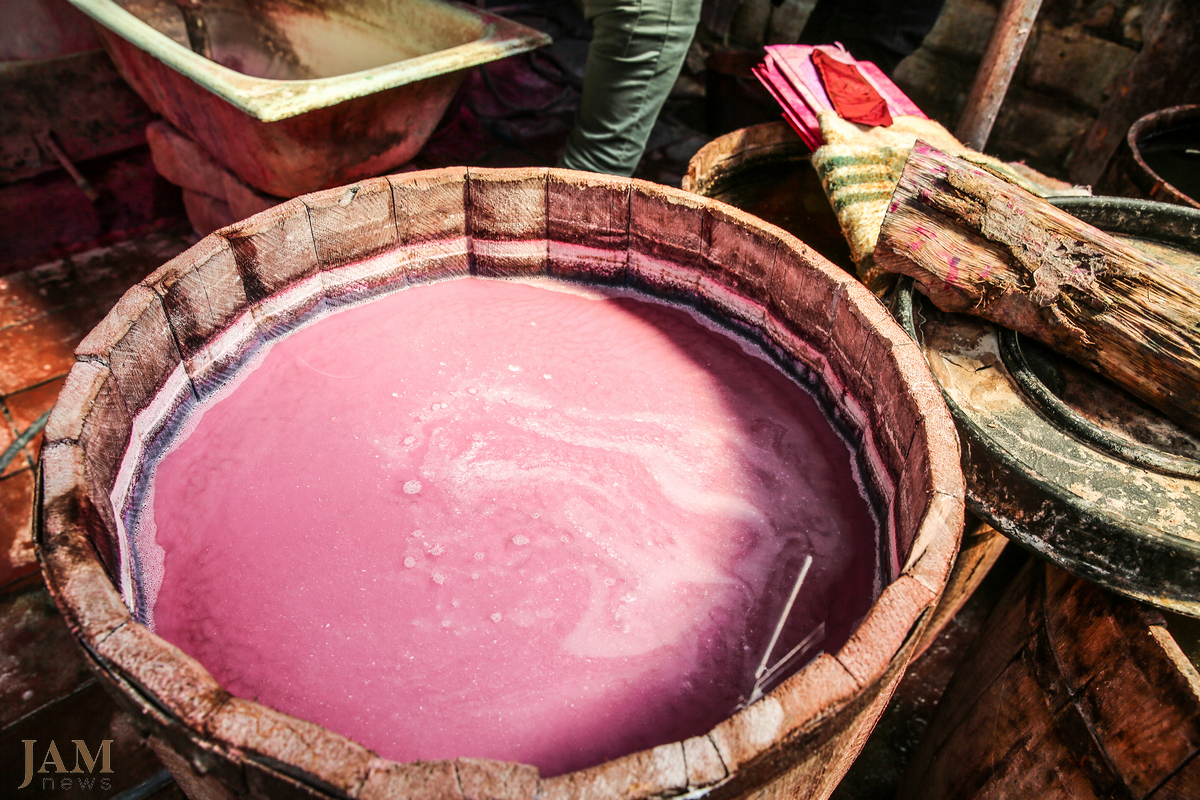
{"x": 48, "y": 695}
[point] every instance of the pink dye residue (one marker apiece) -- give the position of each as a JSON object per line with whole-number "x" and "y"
{"x": 494, "y": 520}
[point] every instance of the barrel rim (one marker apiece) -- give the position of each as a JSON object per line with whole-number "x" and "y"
{"x": 765, "y": 143}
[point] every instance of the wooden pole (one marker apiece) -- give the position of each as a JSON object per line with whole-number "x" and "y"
{"x": 48, "y": 141}
{"x": 1012, "y": 28}
{"x": 978, "y": 244}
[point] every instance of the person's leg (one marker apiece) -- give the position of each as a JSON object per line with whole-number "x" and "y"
{"x": 638, "y": 48}
{"x": 880, "y": 31}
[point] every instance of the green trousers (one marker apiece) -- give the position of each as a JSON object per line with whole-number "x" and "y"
{"x": 638, "y": 48}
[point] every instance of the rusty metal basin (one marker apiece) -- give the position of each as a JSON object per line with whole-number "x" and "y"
{"x": 308, "y": 94}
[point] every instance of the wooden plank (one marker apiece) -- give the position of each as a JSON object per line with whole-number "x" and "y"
{"x": 80, "y": 97}
{"x": 1003, "y": 639}
{"x": 136, "y": 342}
{"x": 981, "y": 546}
{"x": 1092, "y": 706}
{"x": 483, "y": 779}
{"x": 431, "y": 220}
{"x": 587, "y": 223}
{"x": 506, "y": 213}
{"x": 352, "y": 223}
{"x": 1134, "y": 698}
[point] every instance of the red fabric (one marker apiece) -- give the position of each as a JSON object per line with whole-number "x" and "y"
{"x": 853, "y": 98}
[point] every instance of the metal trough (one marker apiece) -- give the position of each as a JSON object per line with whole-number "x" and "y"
{"x": 308, "y": 94}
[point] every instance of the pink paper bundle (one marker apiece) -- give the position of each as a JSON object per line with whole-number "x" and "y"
{"x": 794, "y": 81}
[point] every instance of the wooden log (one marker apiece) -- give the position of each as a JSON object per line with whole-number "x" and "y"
{"x": 975, "y": 243}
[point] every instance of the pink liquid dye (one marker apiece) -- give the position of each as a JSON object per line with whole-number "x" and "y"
{"x": 498, "y": 520}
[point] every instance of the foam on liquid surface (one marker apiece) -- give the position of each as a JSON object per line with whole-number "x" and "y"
{"x": 487, "y": 519}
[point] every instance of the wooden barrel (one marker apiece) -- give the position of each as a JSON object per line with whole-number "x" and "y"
{"x": 184, "y": 328}
{"x": 767, "y": 170}
{"x": 1070, "y": 692}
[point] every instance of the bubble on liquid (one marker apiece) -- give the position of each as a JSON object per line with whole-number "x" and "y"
{"x": 472, "y": 390}
{"x": 410, "y": 562}
{"x": 520, "y": 539}
{"x": 412, "y": 487}
{"x": 479, "y": 555}
{"x": 497, "y": 617}
{"x": 610, "y": 582}
{"x": 437, "y": 550}
{"x": 565, "y": 539}
{"x": 439, "y": 578}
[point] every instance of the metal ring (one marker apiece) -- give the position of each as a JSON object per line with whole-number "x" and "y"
{"x": 1079, "y": 426}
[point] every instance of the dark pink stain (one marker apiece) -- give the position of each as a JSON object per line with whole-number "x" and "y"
{"x": 952, "y": 273}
